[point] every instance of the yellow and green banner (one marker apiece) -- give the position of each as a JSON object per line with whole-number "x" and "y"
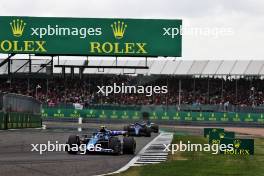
{"x": 221, "y": 137}
{"x": 90, "y": 36}
{"x": 126, "y": 113}
{"x": 240, "y": 146}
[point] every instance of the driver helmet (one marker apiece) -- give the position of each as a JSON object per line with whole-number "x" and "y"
{"x": 102, "y": 128}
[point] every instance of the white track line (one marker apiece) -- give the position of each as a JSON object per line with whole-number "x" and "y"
{"x": 146, "y": 156}
{"x": 156, "y": 149}
{"x": 133, "y": 160}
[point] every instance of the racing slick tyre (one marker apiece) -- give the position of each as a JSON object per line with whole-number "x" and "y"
{"x": 155, "y": 128}
{"x": 73, "y": 141}
{"x": 115, "y": 145}
{"x": 148, "y": 132}
{"x": 129, "y": 145}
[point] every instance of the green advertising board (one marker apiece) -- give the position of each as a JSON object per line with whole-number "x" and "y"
{"x": 90, "y": 36}
{"x": 215, "y": 137}
{"x": 207, "y": 131}
{"x": 126, "y": 113}
{"x": 241, "y": 146}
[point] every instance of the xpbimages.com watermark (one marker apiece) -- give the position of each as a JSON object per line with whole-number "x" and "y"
{"x": 214, "y": 32}
{"x": 171, "y": 148}
{"x": 59, "y": 147}
{"x": 124, "y": 89}
{"x": 189, "y": 147}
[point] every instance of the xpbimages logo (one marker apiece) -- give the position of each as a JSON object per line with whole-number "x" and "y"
{"x": 18, "y": 27}
{"x": 57, "y": 30}
{"x": 83, "y": 32}
{"x": 190, "y": 147}
{"x": 124, "y": 89}
{"x": 59, "y": 147}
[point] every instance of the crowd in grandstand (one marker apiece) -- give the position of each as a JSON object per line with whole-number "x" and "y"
{"x": 194, "y": 91}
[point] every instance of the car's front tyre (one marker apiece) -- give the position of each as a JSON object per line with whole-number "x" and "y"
{"x": 115, "y": 145}
{"x": 129, "y": 145}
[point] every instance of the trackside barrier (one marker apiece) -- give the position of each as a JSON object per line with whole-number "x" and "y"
{"x": 2, "y": 121}
{"x": 19, "y": 111}
{"x": 15, "y": 120}
{"x": 154, "y": 115}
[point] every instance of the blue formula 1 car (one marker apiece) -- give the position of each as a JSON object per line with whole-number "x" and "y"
{"x": 154, "y": 127}
{"x": 103, "y": 141}
{"x": 138, "y": 129}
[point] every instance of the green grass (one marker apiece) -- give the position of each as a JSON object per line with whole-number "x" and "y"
{"x": 204, "y": 163}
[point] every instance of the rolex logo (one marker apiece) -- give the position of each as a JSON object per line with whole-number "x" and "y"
{"x": 237, "y": 143}
{"x": 222, "y": 135}
{"x": 119, "y": 29}
{"x": 17, "y": 27}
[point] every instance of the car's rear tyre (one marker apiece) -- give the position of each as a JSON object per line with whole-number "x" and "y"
{"x": 148, "y": 132}
{"x": 129, "y": 145}
{"x": 73, "y": 142}
{"x": 115, "y": 145}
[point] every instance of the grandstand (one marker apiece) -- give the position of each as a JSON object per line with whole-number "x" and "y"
{"x": 201, "y": 85}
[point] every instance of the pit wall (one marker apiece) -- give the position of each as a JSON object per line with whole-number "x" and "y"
{"x": 15, "y": 120}
{"x": 154, "y": 115}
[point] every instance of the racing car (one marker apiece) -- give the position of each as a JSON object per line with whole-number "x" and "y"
{"x": 106, "y": 139}
{"x": 138, "y": 129}
{"x": 154, "y": 127}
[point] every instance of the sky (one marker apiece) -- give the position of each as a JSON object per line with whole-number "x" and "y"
{"x": 242, "y": 21}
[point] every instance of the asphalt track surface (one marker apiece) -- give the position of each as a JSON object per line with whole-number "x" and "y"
{"x": 17, "y": 159}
